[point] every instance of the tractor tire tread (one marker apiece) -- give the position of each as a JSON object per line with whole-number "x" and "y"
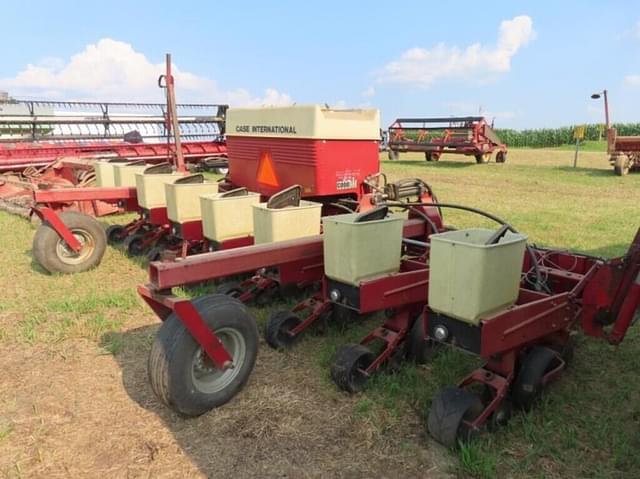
{"x": 173, "y": 347}
{"x": 46, "y": 240}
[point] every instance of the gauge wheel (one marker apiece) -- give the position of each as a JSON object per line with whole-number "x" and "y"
{"x": 181, "y": 374}
{"x": 134, "y": 244}
{"x": 55, "y": 255}
{"x": 277, "y": 331}
{"x": 450, "y": 409}
{"x": 528, "y": 388}
{"x": 115, "y": 234}
{"x": 348, "y": 369}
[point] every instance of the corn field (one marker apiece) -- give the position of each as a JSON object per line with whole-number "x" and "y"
{"x": 547, "y": 137}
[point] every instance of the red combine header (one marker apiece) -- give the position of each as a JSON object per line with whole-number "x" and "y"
{"x": 469, "y": 135}
{"x": 47, "y": 145}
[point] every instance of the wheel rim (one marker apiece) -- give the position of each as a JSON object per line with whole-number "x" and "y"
{"x": 87, "y": 245}
{"x": 205, "y": 376}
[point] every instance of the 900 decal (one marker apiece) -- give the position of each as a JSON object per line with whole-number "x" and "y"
{"x": 346, "y": 183}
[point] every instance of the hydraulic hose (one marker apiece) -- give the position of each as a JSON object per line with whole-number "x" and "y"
{"x": 539, "y": 283}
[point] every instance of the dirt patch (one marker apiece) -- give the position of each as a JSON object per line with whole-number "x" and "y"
{"x": 73, "y": 411}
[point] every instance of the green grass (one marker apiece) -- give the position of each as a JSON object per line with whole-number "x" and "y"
{"x": 597, "y": 146}
{"x": 587, "y": 427}
{"x": 588, "y": 145}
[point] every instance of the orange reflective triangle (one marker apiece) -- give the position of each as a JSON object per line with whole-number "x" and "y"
{"x": 266, "y": 172}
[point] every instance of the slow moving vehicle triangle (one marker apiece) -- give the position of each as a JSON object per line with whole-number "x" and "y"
{"x": 266, "y": 172}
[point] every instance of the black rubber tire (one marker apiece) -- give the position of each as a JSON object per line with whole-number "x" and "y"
{"x": 621, "y": 165}
{"x": 170, "y": 366}
{"x": 431, "y": 156}
{"x": 501, "y": 157}
{"x": 133, "y": 244}
{"x": 231, "y": 288}
{"x": 48, "y": 247}
{"x": 428, "y": 156}
{"x": 115, "y": 234}
{"x": 155, "y": 253}
{"x": 527, "y": 388}
{"x": 266, "y": 296}
{"x": 449, "y": 407}
{"x": 393, "y": 155}
{"x": 347, "y": 366}
{"x": 483, "y": 158}
{"x": 276, "y": 331}
{"x": 417, "y": 348}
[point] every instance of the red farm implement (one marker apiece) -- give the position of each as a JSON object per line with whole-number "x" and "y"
{"x": 54, "y": 144}
{"x": 623, "y": 151}
{"x": 70, "y": 240}
{"x": 526, "y": 342}
{"x": 471, "y": 136}
{"x": 72, "y": 166}
{"x": 222, "y": 346}
{"x": 321, "y": 155}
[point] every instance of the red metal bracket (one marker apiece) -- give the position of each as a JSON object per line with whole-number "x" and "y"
{"x": 627, "y": 311}
{"x": 47, "y": 215}
{"x": 163, "y": 304}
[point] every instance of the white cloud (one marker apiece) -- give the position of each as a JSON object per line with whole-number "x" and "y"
{"x": 369, "y": 92}
{"x": 636, "y": 30}
{"x": 423, "y": 67}
{"x": 113, "y": 70}
{"x": 632, "y": 80}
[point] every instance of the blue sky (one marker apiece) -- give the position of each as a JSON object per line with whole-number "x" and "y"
{"x": 528, "y": 64}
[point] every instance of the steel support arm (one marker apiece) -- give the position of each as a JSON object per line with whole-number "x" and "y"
{"x": 69, "y": 195}
{"x": 207, "y": 266}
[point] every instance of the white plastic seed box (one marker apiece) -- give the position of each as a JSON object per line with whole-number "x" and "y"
{"x": 469, "y": 279}
{"x": 281, "y": 224}
{"x": 150, "y": 188}
{"x": 357, "y": 251}
{"x": 225, "y": 218}
{"x": 183, "y": 200}
{"x": 105, "y": 174}
{"x": 125, "y": 175}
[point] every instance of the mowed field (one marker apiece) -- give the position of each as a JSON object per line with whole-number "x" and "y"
{"x": 75, "y": 401}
